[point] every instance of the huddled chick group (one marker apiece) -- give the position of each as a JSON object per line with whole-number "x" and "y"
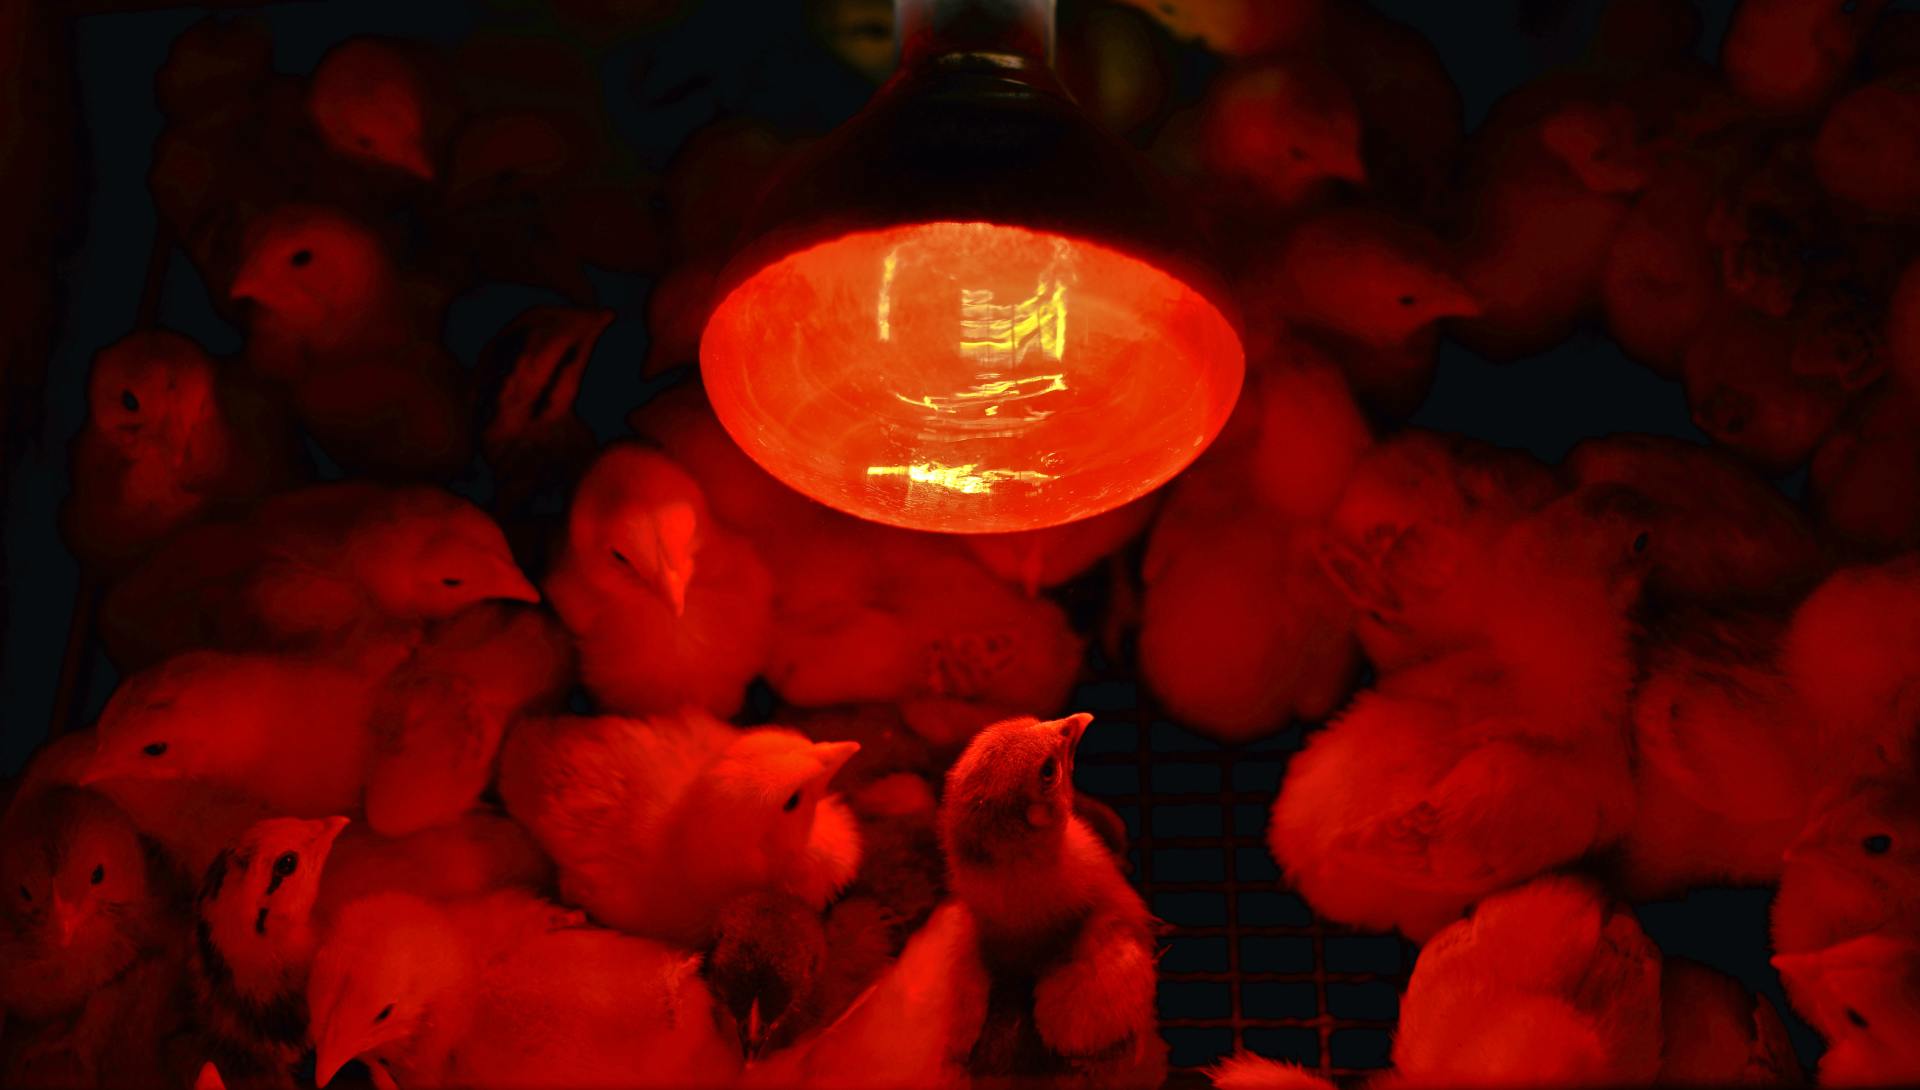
{"x": 655, "y": 772}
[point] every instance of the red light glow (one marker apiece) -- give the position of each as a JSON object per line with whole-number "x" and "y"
{"x": 969, "y": 377}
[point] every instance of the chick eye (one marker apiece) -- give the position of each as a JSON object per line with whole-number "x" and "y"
{"x": 1877, "y": 844}
{"x": 301, "y": 259}
{"x": 1297, "y": 155}
{"x": 26, "y": 894}
{"x": 1406, "y": 300}
{"x": 129, "y": 402}
{"x": 1856, "y": 1018}
{"x": 284, "y": 866}
{"x": 1049, "y": 769}
{"x": 792, "y": 803}
{"x": 99, "y": 874}
{"x": 451, "y": 581}
{"x": 1640, "y": 542}
{"x": 621, "y": 557}
{"x": 385, "y": 1013}
{"x": 154, "y": 749}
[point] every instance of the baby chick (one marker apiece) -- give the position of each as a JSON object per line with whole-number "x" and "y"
{"x": 1716, "y": 1032}
{"x": 1661, "y": 278}
{"x": 1852, "y": 652}
{"x": 311, "y": 568}
{"x": 1722, "y": 532}
{"x": 1363, "y": 275}
{"x": 491, "y": 994}
{"x": 1547, "y": 984}
{"x": 1282, "y": 128}
{"x": 268, "y": 900}
{"x": 254, "y": 938}
{"x": 1724, "y": 756}
{"x": 86, "y": 897}
{"x": 667, "y": 608}
{"x": 1483, "y": 767}
{"x": 1420, "y": 512}
{"x": 656, "y": 824}
{"x": 438, "y": 719}
{"x": 1067, "y": 942}
{"x": 288, "y": 730}
{"x": 1864, "y": 997}
{"x": 1867, "y": 469}
{"x": 168, "y": 441}
{"x": 1854, "y": 870}
{"x": 1787, "y": 56}
{"x": 371, "y": 101}
{"x": 534, "y": 440}
{"x": 1742, "y": 390}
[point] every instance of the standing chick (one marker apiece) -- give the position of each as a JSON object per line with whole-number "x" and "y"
{"x": 667, "y": 607}
{"x": 656, "y": 824}
{"x": 1546, "y": 985}
{"x": 492, "y": 994}
{"x": 1067, "y": 942}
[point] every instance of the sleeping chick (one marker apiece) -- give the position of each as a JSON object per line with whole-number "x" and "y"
{"x": 1717, "y": 1032}
{"x": 1864, "y": 997}
{"x": 492, "y": 994}
{"x": 1549, "y": 984}
{"x": 667, "y": 607}
{"x": 1421, "y": 509}
{"x": 86, "y": 896}
{"x": 1724, "y": 756}
{"x": 1067, "y": 943}
{"x": 438, "y": 719}
{"x": 289, "y": 730}
{"x": 1481, "y": 768}
{"x": 655, "y": 824}
{"x": 313, "y": 567}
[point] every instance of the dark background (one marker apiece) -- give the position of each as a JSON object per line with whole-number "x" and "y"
{"x": 729, "y": 57}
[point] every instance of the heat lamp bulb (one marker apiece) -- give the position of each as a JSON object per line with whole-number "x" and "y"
{"x": 964, "y": 326}
{"x": 969, "y": 377}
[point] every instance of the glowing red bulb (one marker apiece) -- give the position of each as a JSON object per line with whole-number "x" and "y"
{"x": 969, "y": 377}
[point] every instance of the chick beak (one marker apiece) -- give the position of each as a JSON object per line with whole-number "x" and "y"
{"x": 673, "y": 587}
{"x": 1452, "y": 299}
{"x": 513, "y": 585}
{"x": 753, "y": 1033}
{"x": 413, "y": 159}
{"x": 834, "y": 756}
{"x": 1073, "y": 727}
{"x": 66, "y": 921}
{"x": 323, "y": 841}
{"x": 1793, "y": 963}
{"x": 329, "y": 1057}
{"x": 1030, "y": 565}
{"x": 246, "y": 285}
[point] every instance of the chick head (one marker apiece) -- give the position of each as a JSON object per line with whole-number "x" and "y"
{"x": 76, "y": 870}
{"x": 1011, "y": 790}
{"x": 192, "y": 716}
{"x": 1862, "y": 994}
{"x": 637, "y": 522}
{"x": 765, "y": 791}
{"x": 1373, "y": 278}
{"x": 1284, "y": 126}
{"x": 313, "y": 268}
{"x": 1600, "y": 535}
{"x": 386, "y": 964}
{"x": 150, "y": 389}
{"x": 367, "y": 100}
{"x": 768, "y": 952}
{"x": 256, "y": 900}
{"x": 443, "y": 556}
{"x": 1855, "y": 866}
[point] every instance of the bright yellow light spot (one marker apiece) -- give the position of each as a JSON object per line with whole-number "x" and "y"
{"x": 999, "y": 392}
{"x": 884, "y": 311}
{"x": 969, "y": 479}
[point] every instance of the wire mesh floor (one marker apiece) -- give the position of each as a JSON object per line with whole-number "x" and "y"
{"x": 1247, "y": 965}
